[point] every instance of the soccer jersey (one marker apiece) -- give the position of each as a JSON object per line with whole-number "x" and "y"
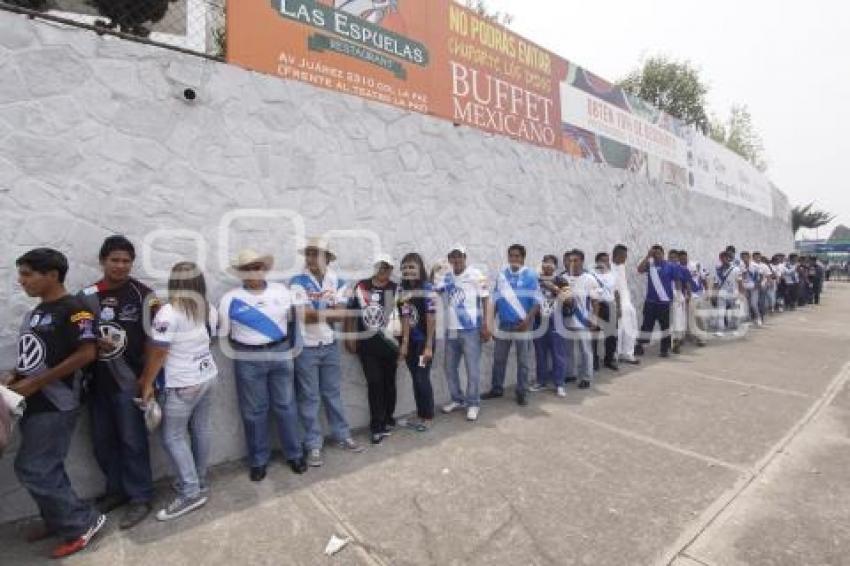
{"x": 515, "y": 294}
{"x": 121, "y": 315}
{"x": 696, "y": 276}
{"x": 189, "y": 361}
{"x": 375, "y": 306}
{"x": 726, "y": 280}
{"x": 548, "y": 298}
{"x": 661, "y": 276}
{"x": 607, "y": 285}
{"x": 50, "y": 333}
{"x": 586, "y": 289}
{"x": 256, "y": 319}
{"x": 790, "y": 275}
{"x": 463, "y": 296}
{"x": 415, "y": 305}
{"x": 319, "y": 295}
{"x": 751, "y": 276}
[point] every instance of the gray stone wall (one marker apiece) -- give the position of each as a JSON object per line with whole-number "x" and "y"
{"x": 97, "y": 138}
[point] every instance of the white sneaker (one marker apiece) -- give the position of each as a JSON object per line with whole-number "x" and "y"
{"x": 561, "y": 391}
{"x": 535, "y": 387}
{"x": 472, "y": 413}
{"x": 453, "y": 406}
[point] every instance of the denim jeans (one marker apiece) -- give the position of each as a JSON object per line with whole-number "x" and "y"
{"x": 187, "y": 434}
{"x": 466, "y": 344}
{"x": 551, "y": 356}
{"x": 502, "y": 349}
{"x": 121, "y": 443}
{"x": 265, "y": 383}
{"x": 40, "y": 467}
{"x": 752, "y": 296}
{"x": 318, "y": 377}
{"x": 580, "y": 363}
{"x": 423, "y": 392}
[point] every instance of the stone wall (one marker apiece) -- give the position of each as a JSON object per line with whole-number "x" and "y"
{"x": 96, "y": 137}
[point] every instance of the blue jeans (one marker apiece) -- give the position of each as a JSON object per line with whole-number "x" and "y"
{"x": 187, "y": 434}
{"x": 550, "y": 351}
{"x": 581, "y": 365}
{"x": 466, "y": 343}
{"x": 522, "y": 341}
{"x": 40, "y": 467}
{"x": 265, "y": 385}
{"x": 121, "y": 443}
{"x": 318, "y": 376}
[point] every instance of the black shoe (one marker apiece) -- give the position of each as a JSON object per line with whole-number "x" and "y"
{"x": 258, "y": 473}
{"x": 521, "y": 399}
{"x": 110, "y": 502}
{"x": 135, "y": 514}
{"x": 377, "y": 438}
{"x": 665, "y": 354}
{"x": 492, "y": 394}
{"x": 612, "y": 366}
{"x": 639, "y": 350}
{"x": 570, "y": 379}
{"x": 298, "y": 465}
{"x": 583, "y": 384}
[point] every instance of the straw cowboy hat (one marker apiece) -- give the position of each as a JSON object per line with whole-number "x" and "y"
{"x": 248, "y": 257}
{"x": 319, "y": 244}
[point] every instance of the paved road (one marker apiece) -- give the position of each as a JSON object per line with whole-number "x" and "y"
{"x": 737, "y": 453}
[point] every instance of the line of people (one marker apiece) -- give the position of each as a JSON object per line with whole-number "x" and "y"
{"x": 283, "y": 338}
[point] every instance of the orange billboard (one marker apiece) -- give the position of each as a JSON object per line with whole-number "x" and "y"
{"x": 433, "y": 57}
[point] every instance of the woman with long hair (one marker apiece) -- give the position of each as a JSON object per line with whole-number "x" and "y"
{"x": 181, "y": 334}
{"x": 417, "y": 308}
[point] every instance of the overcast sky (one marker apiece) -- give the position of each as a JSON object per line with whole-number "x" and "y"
{"x": 788, "y": 61}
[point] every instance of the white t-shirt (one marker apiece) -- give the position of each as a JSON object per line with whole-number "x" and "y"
{"x": 462, "y": 296}
{"x": 256, "y": 319}
{"x": 189, "y": 360}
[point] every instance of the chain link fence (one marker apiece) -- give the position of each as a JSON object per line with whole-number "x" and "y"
{"x": 194, "y": 25}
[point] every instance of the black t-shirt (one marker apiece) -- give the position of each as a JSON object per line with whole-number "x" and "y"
{"x": 121, "y": 319}
{"x": 50, "y": 334}
{"x": 376, "y": 305}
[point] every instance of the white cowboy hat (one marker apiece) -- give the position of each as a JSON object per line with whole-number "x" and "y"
{"x": 318, "y": 244}
{"x": 248, "y": 257}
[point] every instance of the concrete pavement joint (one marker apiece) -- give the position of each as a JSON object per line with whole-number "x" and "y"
{"x": 768, "y": 388}
{"x": 722, "y": 503}
{"x": 694, "y": 559}
{"x": 365, "y": 550}
{"x": 660, "y": 444}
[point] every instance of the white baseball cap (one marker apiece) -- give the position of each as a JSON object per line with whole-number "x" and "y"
{"x": 384, "y": 258}
{"x": 457, "y": 248}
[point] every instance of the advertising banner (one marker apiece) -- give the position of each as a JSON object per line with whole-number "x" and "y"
{"x": 439, "y": 58}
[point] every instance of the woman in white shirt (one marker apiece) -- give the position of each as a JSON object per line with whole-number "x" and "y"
{"x": 181, "y": 336}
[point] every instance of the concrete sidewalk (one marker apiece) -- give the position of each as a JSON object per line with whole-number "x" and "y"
{"x": 736, "y": 453}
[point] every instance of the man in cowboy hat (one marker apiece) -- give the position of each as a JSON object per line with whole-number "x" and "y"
{"x": 317, "y": 293}
{"x": 255, "y": 317}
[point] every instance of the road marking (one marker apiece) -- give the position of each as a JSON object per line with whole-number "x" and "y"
{"x": 658, "y": 443}
{"x": 768, "y": 388}
{"x": 722, "y": 503}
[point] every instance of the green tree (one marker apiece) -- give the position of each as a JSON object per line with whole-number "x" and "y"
{"x": 672, "y": 86}
{"x": 483, "y": 9}
{"x": 805, "y": 217}
{"x": 739, "y": 134}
